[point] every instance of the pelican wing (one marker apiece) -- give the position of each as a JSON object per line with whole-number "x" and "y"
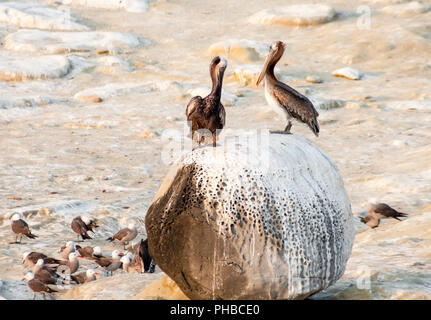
{"x": 192, "y": 106}
{"x": 297, "y": 105}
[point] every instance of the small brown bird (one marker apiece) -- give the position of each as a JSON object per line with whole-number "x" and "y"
{"x": 285, "y": 100}
{"x": 37, "y": 286}
{"x": 208, "y": 113}
{"x": 20, "y": 228}
{"x": 80, "y": 228}
{"x": 31, "y": 258}
{"x": 83, "y": 277}
{"x": 383, "y": 211}
{"x": 45, "y": 274}
{"x": 125, "y": 235}
{"x": 90, "y": 253}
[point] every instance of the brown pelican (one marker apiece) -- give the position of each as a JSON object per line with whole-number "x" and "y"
{"x": 37, "y": 286}
{"x": 125, "y": 235}
{"x": 20, "y": 228}
{"x": 208, "y": 113}
{"x": 286, "y": 100}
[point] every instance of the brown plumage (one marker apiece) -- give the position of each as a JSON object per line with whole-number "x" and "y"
{"x": 37, "y": 286}
{"x": 383, "y": 211}
{"x": 32, "y": 257}
{"x": 208, "y": 113}
{"x": 283, "y": 98}
{"x": 80, "y": 228}
{"x": 20, "y": 228}
{"x": 125, "y": 235}
{"x": 84, "y": 277}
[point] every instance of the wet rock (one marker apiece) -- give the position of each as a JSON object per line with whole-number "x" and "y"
{"x": 164, "y": 288}
{"x": 348, "y": 73}
{"x": 126, "y": 5}
{"x": 99, "y": 94}
{"x": 423, "y": 105}
{"x": 406, "y": 9}
{"x": 249, "y": 221}
{"x": 295, "y": 15}
{"x": 247, "y": 74}
{"x": 65, "y": 42}
{"x": 240, "y": 49}
{"x": 15, "y": 67}
{"x": 120, "y": 286}
{"x": 327, "y": 104}
{"x": 113, "y": 65}
{"x": 228, "y": 99}
{"x": 15, "y": 290}
{"x": 313, "y": 79}
{"x": 23, "y": 102}
{"x": 32, "y": 15}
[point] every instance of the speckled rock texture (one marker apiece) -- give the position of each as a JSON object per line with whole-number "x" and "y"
{"x": 252, "y": 220}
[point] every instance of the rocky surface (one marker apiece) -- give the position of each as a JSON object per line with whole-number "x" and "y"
{"x": 243, "y": 50}
{"x": 295, "y": 15}
{"x": 65, "y": 42}
{"x": 409, "y": 8}
{"x": 32, "y": 15}
{"x": 348, "y": 73}
{"x": 136, "y": 6}
{"x": 222, "y": 227}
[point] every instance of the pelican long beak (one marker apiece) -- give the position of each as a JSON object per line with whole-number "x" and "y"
{"x": 265, "y": 67}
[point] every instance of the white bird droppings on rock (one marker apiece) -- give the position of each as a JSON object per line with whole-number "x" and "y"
{"x": 240, "y": 49}
{"x": 405, "y": 9}
{"x": 126, "y": 5}
{"x": 32, "y": 15}
{"x": 348, "y": 73}
{"x": 64, "y": 42}
{"x": 295, "y": 15}
{"x": 19, "y": 68}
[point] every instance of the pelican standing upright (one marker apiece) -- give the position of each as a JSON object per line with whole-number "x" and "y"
{"x": 283, "y": 98}
{"x": 208, "y": 113}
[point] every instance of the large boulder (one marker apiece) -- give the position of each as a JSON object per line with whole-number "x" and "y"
{"x": 259, "y": 217}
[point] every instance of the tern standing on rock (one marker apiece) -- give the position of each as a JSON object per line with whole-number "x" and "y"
{"x": 125, "y": 235}
{"x": 285, "y": 100}
{"x": 20, "y": 228}
{"x": 208, "y": 113}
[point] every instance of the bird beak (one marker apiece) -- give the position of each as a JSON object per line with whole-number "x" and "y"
{"x": 265, "y": 67}
{"x": 96, "y": 273}
{"x": 23, "y": 261}
{"x": 118, "y": 261}
{"x": 22, "y": 279}
{"x": 79, "y": 256}
{"x": 121, "y": 254}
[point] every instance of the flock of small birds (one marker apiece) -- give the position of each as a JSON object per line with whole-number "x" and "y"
{"x": 47, "y": 272}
